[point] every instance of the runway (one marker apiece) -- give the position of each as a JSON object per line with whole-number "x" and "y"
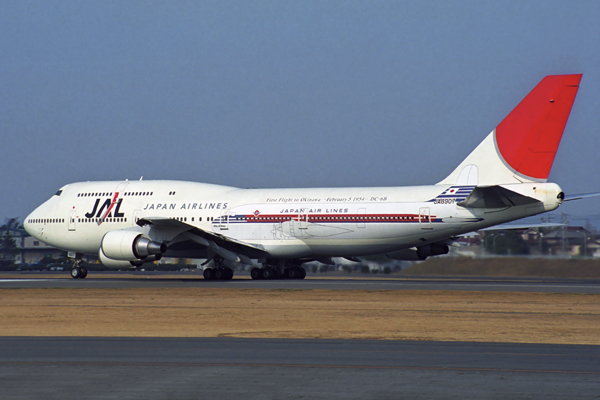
{"x": 160, "y": 368}
{"x": 234, "y": 368}
{"x": 316, "y": 281}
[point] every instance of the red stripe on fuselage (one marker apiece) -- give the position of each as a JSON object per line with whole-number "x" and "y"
{"x": 339, "y": 218}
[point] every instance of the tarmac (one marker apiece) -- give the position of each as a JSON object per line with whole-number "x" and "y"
{"x": 314, "y": 281}
{"x": 225, "y": 368}
{"x": 234, "y": 368}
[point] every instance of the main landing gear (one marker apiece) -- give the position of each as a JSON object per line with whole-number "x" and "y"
{"x": 273, "y": 269}
{"x": 78, "y": 272}
{"x": 286, "y": 270}
{"x": 220, "y": 272}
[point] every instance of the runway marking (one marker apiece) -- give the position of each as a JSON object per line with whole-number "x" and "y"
{"x": 388, "y": 367}
{"x": 225, "y": 349}
{"x": 341, "y": 284}
{"x": 514, "y": 284}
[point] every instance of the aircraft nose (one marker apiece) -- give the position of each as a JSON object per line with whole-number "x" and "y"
{"x": 29, "y": 223}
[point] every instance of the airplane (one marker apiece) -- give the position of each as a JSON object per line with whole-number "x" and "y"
{"x": 129, "y": 223}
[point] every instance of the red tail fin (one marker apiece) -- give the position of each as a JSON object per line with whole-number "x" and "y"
{"x": 529, "y": 136}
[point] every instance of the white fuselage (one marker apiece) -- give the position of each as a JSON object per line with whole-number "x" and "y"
{"x": 286, "y": 223}
{"x": 502, "y": 179}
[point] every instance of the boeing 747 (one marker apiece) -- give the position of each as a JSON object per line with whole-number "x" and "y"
{"x": 129, "y": 223}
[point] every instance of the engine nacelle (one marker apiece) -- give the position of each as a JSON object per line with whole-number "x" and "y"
{"x": 150, "y": 259}
{"x": 432, "y": 249}
{"x": 420, "y": 253}
{"x": 110, "y": 263}
{"x": 129, "y": 245}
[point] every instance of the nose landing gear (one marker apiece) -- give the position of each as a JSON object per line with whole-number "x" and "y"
{"x": 78, "y": 272}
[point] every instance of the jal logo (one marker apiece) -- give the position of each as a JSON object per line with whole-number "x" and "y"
{"x": 108, "y": 205}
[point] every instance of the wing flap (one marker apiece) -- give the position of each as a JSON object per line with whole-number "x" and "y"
{"x": 225, "y": 246}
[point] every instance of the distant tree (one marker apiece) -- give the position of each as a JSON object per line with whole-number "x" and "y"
{"x": 8, "y": 245}
{"x": 11, "y": 224}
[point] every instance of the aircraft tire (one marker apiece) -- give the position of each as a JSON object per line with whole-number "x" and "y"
{"x": 256, "y": 273}
{"x": 84, "y": 272}
{"x": 302, "y": 273}
{"x": 292, "y": 273}
{"x": 229, "y": 274}
{"x": 209, "y": 274}
{"x": 76, "y": 273}
{"x": 220, "y": 274}
{"x": 267, "y": 273}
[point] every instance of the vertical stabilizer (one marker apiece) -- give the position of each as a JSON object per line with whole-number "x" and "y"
{"x": 523, "y": 146}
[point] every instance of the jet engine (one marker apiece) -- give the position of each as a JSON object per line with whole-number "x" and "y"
{"x": 109, "y": 262}
{"x": 432, "y": 249}
{"x": 124, "y": 245}
{"x": 419, "y": 253}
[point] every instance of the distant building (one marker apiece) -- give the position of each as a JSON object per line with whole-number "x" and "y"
{"x": 572, "y": 241}
{"x": 28, "y": 249}
{"x": 34, "y": 250}
{"x": 563, "y": 241}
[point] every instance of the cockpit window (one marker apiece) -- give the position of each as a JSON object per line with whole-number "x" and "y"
{"x": 58, "y": 193}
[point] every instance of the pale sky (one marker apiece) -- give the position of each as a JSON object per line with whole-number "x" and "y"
{"x": 281, "y": 94}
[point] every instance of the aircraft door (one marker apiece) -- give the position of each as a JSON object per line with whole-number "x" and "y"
{"x": 303, "y": 218}
{"x": 362, "y": 212}
{"x": 72, "y": 220}
{"x": 137, "y": 214}
{"x": 425, "y": 218}
{"x": 119, "y": 193}
{"x": 224, "y": 220}
{"x": 121, "y": 188}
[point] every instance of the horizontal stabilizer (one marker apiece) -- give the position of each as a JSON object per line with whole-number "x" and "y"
{"x": 495, "y": 197}
{"x": 503, "y": 227}
{"x": 581, "y": 196}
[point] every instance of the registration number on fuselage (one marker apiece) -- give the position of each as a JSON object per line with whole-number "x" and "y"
{"x": 444, "y": 201}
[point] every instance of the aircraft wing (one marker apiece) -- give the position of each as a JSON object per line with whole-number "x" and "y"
{"x": 224, "y": 246}
{"x": 581, "y": 196}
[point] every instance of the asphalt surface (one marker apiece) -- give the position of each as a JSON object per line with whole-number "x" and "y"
{"x": 165, "y": 368}
{"x": 229, "y": 368}
{"x": 316, "y": 281}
